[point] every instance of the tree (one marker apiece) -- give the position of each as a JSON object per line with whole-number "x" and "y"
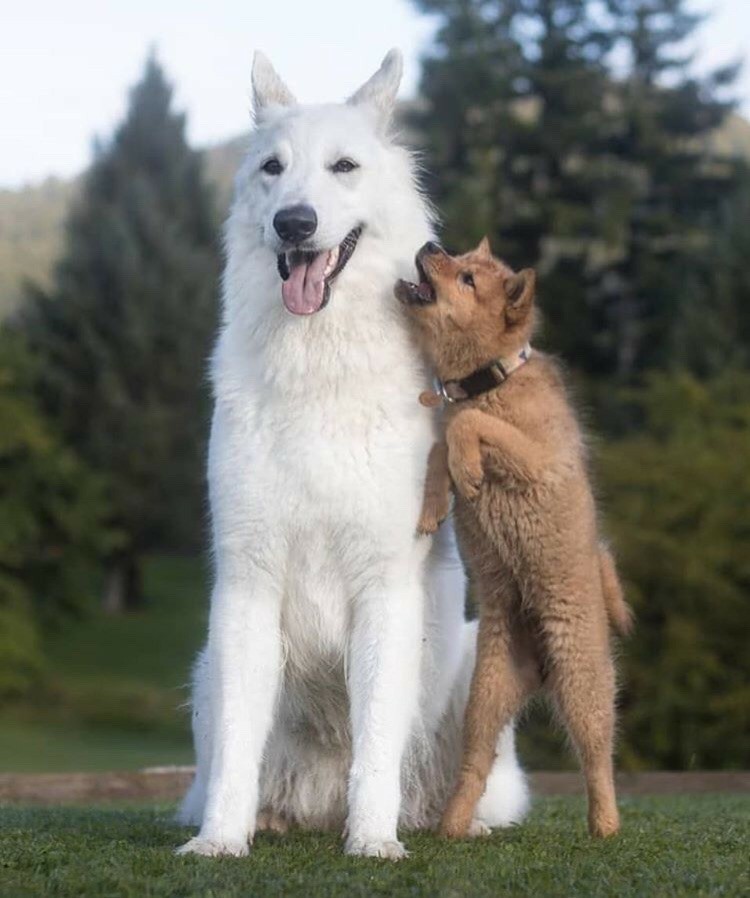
{"x": 53, "y": 528}
{"x": 677, "y": 497}
{"x": 124, "y": 332}
{"x": 712, "y": 331}
{"x": 514, "y": 92}
{"x": 674, "y": 185}
{"x": 597, "y": 173}
{"x": 516, "y": 125}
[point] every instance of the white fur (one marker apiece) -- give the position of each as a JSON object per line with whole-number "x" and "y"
{"x": 332, "y": 686}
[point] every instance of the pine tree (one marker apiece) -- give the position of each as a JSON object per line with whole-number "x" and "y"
{"x": 517, "y": 125}
{"x": 597, "y": 173}
{"x": 674, "y": 187}
{"x": 712, "y": 332}
{"x": 125, "y": 332}
{"x": 514, "y": 92}
{"x": 53, "y": 529}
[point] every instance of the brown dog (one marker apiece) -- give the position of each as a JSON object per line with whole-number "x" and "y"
{"x": 525, "y": 516}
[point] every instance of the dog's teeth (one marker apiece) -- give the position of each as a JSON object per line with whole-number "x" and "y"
{"x": 333, "y": 258}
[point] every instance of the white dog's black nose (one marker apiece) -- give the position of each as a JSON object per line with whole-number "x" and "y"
{"x": 295, "y": 223}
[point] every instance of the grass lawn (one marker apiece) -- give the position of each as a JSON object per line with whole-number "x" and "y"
{"x": 39, "y": 747}
{"x": 669, "y": 846}
{"x": 115, "y": 685}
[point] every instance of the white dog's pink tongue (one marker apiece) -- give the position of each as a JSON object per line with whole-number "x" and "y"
{"x": 304, "y": 289}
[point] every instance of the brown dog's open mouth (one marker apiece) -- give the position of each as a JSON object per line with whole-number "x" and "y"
{"x": 420, "y": 294}
{"x": 307, "y": 275}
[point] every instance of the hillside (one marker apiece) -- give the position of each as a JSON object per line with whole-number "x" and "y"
{"x": 32, "y": 218}
{"x": 31, "y": 228}
{"x": 32, "y": 221}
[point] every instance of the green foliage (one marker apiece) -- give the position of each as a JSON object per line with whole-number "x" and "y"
{"x": 712, "y": 330}
{"x": 21, "y": 661}
{"x": 124, "y": 333}
{"x": 678, "y": 494}
{"x": 52, "y": 513}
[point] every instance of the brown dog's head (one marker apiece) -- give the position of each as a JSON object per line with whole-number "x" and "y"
{"x": 468, "y": 310}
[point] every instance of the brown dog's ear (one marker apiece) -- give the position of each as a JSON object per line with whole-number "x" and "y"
{"x": 519, "y": 291}
{"x": 483, "y": 250}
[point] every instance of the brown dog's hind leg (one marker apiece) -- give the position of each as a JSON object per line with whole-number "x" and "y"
{"x": 499, "y": 688}
{"x": 583, "y": 684}
{"x": 270, "y": 821}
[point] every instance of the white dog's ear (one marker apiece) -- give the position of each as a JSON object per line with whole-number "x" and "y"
{"x": 380, "y": 91}
{"x": 268, "y": 88}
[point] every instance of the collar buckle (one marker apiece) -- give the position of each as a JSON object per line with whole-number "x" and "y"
{"x": 499, "y": 371}
{"x": 443, "y": 393}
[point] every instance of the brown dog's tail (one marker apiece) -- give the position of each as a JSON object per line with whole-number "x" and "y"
{"x": 618, "y": 610}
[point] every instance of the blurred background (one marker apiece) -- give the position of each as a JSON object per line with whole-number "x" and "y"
{"x": 603, "y": 141}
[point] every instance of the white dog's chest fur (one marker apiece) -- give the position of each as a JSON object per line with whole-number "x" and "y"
{"x": 331, "y": 466}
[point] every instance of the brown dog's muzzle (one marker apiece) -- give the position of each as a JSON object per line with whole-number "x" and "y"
{"x": 429, "y": 259}
{"x": 423, "y": 292}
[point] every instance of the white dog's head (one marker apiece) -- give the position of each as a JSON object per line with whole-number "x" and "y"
{"x": 321, "y": 184}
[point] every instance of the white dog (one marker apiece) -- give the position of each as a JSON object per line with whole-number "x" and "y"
{"x": 332, "y": 687}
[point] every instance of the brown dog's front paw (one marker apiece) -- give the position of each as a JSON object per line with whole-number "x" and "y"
{"x": 428, "y": 524}
{"x": 434, "y": 512}
{"x": 468, "y": 479}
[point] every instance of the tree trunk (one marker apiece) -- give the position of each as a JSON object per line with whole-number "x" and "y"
{"x": 123, "y": 588}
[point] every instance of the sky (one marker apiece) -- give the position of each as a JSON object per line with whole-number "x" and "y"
{"x": 66, "y": 65}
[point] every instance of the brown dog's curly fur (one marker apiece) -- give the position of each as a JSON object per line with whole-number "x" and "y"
{"x": 546, "y": 588}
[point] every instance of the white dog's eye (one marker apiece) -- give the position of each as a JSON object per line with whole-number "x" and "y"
{"x": 272, "y": 166}
{"x": 343, "y": 166}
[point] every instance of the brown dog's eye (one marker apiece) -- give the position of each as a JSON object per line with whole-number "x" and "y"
{"x": 343, "y": 166}
{"x": 467, "y": 278}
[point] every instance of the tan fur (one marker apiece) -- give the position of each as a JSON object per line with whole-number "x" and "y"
{"x": 620, "y": 613}
{"x": 546, "y": 587}
{"x": 270, "y": 821}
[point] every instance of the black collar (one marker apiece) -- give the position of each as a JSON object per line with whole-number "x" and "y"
{"x": 483, "y": 379}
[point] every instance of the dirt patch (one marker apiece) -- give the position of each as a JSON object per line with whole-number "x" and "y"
{"x": 170, "y": 783}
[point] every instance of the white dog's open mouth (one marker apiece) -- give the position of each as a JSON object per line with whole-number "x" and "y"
{"x": 307, "y": 276}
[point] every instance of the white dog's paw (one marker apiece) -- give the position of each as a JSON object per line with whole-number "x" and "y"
{"x": 478, "y": 829}
{"x": 211, "y": 848}
{"x": 391, "y": 849}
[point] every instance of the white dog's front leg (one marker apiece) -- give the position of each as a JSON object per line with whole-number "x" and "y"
{"x": 244, "y": 657}
{"x": 384, "y": 663}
